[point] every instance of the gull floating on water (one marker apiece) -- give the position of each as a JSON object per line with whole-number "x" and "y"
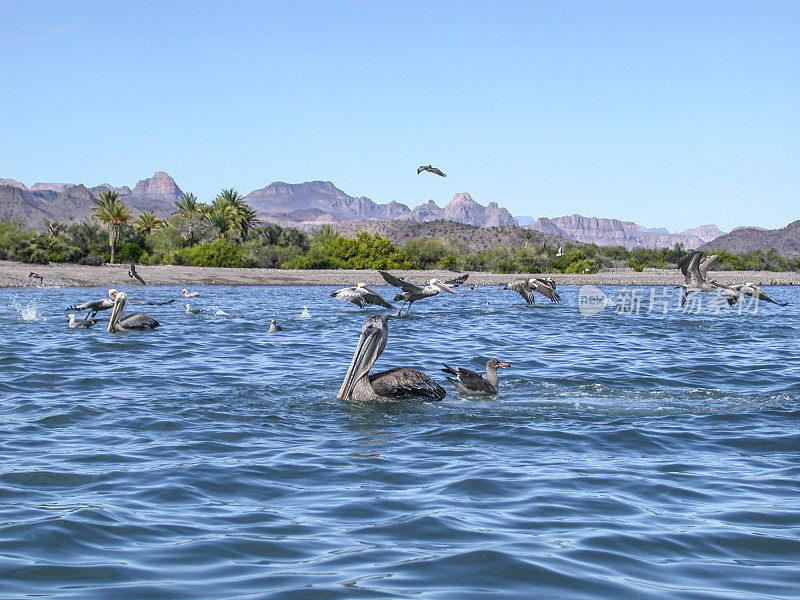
{"x": 527, "y": 287}
{"x": 412, "y": 293}
{"x": 361, "y": 295}
{"x": 469, "y": 382}
{"x": 401, "y": 384}
{"x": 118, "y": 323}
{"x": 79, "y": 324}
{"x": 274, "y": 327}
{"x": 193, "y": 311}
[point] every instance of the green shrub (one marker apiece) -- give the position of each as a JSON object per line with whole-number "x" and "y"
{"x": 219, "y": 253}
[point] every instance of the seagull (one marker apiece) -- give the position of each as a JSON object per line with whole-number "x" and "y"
{"x": 188, "y": 294}
{"x": 132, "y": 273}
{"x": 412, "y": 293}
{"x": 400, "y": 384}
{"x": 526, "y": 287}
{"x": 193, "y": 311}
{"x": 469, "y": 382}
{"x": 361, "y": 295}
{"x": 83, "y": 324}
{"x": 430, "y": 169}
{"x": 274, "y": 327}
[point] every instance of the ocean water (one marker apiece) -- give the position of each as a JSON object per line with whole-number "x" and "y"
{"x": 630, "y": 454}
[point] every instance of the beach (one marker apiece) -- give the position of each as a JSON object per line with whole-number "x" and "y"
{"x": 16, "y": 274}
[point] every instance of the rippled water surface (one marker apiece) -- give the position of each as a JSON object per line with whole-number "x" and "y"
{"x": 627, "y": 456}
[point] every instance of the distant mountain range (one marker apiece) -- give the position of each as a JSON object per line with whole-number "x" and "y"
{"x": 612, "y": 232}
{"x": 785, "y": 240}
{"x": 310, "y": 204}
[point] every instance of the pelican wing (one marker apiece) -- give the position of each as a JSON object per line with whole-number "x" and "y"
{"x": 705, "y": 263}
{"x": 523, "y": 288}
{"x": 545, "y": 289}
{"x": 406, "y": 286}
{"x": 690, "y": 267}
{"x": 405, "y": 384}
{"x": 138, "y": 321}
{"x": 457, "y": 281}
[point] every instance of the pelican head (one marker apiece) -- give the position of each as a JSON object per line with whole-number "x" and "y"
{"x": 364, "y": 286}
{"x": 112, "y": 293}
{"x": 120, "y": 302}
{"x": 437, "y": 283}
{"x": 371, "y": 343}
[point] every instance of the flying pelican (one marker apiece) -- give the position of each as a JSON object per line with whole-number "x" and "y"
{"x": 430, "y": 169}
{"x": 84, "y": 324}
{"x": 132, "y": 273}
{"x": 118, "y": 323}
{"x": 469, "y": 382}
{"x": 526, "y": 287}
{"x": 193, "y": 311}
{"x": 361, "y": 295}
{"x": 733, "y": 293}
{"x": 188, "y": 294}
{"x": 400, "y": 384}
{"x": 412, "y": 293}
{"x": 94, "y": 306}
{"x": 457, "y": 281}
{"x": 695, "y": 274}
{"x": 33, "y": 275}
{"x": 274, "y": 327}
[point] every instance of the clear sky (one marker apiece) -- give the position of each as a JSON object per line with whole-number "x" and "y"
{"x": 671, "y": 114}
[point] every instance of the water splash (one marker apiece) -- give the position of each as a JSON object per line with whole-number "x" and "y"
{"x": 305, "y": 314}
{"x": 218, "y": 312}
{"x": 29, "y": 312}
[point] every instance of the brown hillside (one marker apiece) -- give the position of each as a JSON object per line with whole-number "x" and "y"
{"x": 747, "y": 239}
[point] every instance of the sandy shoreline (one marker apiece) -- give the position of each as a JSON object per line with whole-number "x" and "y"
{"x": 15, "y": 274}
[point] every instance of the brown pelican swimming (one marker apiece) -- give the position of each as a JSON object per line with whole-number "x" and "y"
{"x": 118, "y": 323}
{"x": 695, "y": 274}
{"x": 193, "y": 311}
{"x": 412, "y": 293}
{"x": 526, "y": 287}
{"x": 733, "y": 293}
{"x": 400, "y": 384}
{"x": 188, "y": 294}
{"x": 469, "y": 382}
{"x": 93, "y": 306}
{"x": 430, "y": 169}
{"x": 132, "y": 273}
{"x": 274, "y": 327}
{"x": 83, "y": 324}
{"x": 361, "y": 295}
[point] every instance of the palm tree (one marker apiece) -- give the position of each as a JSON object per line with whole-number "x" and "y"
{"x": 221, "y": 214}
{"x": 113, "y": 214}
{"x": 192, "y": 211}
{"x": 148, "y": 222}
{"x": 324, "y": 233}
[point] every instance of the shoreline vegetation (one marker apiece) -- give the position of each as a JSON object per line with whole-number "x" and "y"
{"x": 225, "y": 243}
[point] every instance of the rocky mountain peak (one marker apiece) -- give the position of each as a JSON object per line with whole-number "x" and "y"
{"x": 159, "y": 185}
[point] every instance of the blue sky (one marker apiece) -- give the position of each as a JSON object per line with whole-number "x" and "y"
{"x": 671, "y": 114}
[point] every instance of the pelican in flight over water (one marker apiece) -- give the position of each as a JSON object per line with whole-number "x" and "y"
{"x": 412, "y": 293}
{"x": 118, "y": 323}
{"x": 526, "y": 287}
{"x": 733, "y": 293}
{"x": 94, "y": 306}
{"x": 695, "y": 274}
{"x": 400, "y": 384}
{"x": 469, "y": 382}
{"x": 430, "y": 169}
{"x": 361, "y": 295}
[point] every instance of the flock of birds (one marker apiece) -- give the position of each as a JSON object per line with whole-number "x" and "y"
{"x": 404, "y": 383}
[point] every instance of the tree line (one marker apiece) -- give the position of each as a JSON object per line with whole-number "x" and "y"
{"x": 227, "y": 233}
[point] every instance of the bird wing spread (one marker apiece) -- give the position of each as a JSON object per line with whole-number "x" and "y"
{"x": 544, "y": 289}
{"x": 401, "y": 283}
{"x": 521, "y": 286}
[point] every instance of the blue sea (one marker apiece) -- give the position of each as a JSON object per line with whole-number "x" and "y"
{"x": 635, "y": 453}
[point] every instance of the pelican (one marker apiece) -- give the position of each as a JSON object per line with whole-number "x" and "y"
{"x": 274, "y": 327}
{"x": 132, "y": 273}
{"x": 412, "y": 293}
{"x": 188, "y": 294}
{"x": 361, "y": 295}
{"x": 526, "y": 287}
{"x": 33, "y": 275}
{"x": 94, "y": 306}
{"x": 469, "y": 382}
{"x": 430, "y": 169}
{"x": 695, "y": 274}
{"x": 457, "y": 281}
{"x": 400, "y": 384}
{"x": 83, "y": 324}
{"x": 118, "y": 323}
{"x": 733, "y": 293}
{"x": 193, "y": 311}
